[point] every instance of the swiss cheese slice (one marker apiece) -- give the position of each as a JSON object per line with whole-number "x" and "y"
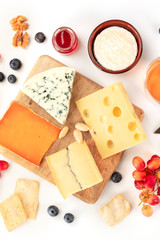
{"x": 52, "y": 90}
{"x": 112, "y": 120}
{"x": 74, "y": 169}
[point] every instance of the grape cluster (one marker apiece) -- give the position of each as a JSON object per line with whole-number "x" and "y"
{"x": 3, "y": 166}
{"x": 147, "y": 179}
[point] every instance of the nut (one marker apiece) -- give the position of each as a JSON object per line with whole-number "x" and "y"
{"x": 25, "y": 40}
{"x": 20, "y": 26}
{"x": 16, "y": 27}
{"x": 20, "y": 40}
{"x": 17, "y": 39}
{"x": 63, "y": 132}
{"x": 82, "y": 127}
{"x": 18, "y": 23}
{"x": 13, "y": 21}
{"x": 18, "y": 18}
{"x": 78, "y": 136}
{"x": 14, "y": 42}
{"x": 21, "y": 19}
{"x": 24, "y": 26}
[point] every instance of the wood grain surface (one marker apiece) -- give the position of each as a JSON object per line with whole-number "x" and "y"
{"x": 82, "y": 87}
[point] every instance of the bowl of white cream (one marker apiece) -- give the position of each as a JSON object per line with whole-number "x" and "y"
{"x": 115, "y": 46}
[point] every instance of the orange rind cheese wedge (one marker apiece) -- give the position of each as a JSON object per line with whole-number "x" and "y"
{"x": 26, "y": 134}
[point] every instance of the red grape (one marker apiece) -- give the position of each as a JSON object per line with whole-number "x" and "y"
{"x": 154, "y": 156}
{"x": 147, "y": 179}
{"x": 152, "y": 199}
{"x": 150, "y": 182}
{"x": 147, "y": 210}
{"x": 139, "y": 175}
{"x": 158, "y": 174}
{"x": 3, "y": 165}
{"x": 139, "y": 184}
{"x": 154, "y": 163}
{"x": 138, "y": 163}
{"x": 158, "y": 191}
{"x": 143, "y": 196}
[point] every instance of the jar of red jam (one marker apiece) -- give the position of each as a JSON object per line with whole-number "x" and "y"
{"x": 65, "y": 40}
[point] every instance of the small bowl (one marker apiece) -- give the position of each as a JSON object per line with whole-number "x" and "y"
{"x": 151, "y": 67}
{"x": 111, "y": 23}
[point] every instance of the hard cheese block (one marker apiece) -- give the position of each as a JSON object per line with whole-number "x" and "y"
{"x": 26, "y": 134}
{"x": 74, "y": 169}
{"x": 110, "y": 116}
{"x": 52, "y": 90}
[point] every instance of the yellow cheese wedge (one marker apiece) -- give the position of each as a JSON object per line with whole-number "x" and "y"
{"x": 112, "y": 120}
{"x": 74, "y": 169}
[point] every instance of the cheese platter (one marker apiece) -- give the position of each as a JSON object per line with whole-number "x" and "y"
{"x": 82, "y": 87}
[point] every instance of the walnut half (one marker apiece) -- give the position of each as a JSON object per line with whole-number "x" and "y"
{"x": 20, "y": 40}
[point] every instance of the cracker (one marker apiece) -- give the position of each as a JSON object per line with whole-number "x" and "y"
{"x": 13, "y": 212}
{"x": 115, "y": 210}
{"x": 28, "y": 191}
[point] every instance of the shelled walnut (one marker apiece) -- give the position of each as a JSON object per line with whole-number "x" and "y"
{"x": 20, "y": 40}
{"x": 19, "y": 25}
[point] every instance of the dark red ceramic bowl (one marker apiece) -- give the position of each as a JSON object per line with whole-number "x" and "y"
{"x": 111, "y": 23}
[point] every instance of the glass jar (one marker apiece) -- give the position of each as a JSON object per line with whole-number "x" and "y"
{"x": 152, "y": 81}
{"x": 65, "y": 40}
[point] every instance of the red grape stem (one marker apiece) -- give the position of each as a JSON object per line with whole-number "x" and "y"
{"x": 149, "y": 194}
{"x": 142, "y": 201}
{"x": 154, "y": 190}
{"x": 148, "y": 170}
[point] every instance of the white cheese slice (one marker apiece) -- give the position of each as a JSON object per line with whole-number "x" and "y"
{"x": 115, "y": 48}
{"x": 52, "y": 90}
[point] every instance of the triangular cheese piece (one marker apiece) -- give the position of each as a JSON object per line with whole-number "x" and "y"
{"x": 52, "y": 90}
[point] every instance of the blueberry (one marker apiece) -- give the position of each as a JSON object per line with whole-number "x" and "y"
{"x": 2, "y": 77}
{"x": 53, "y": 211}
{"x": 68, "y": 217}
{"x": 40, "y": 37}
{"x": 15, "y": 64}
{"x": 116, "y": 177}
{"x": 12, "y": 79}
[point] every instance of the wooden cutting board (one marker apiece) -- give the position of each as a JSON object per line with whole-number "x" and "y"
{"x": 81, "y": 88}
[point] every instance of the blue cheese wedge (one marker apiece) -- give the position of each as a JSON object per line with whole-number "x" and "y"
{"x": 52, "y": 90}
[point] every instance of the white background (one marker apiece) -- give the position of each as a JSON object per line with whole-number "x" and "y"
{"x": 83, "y": 17}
